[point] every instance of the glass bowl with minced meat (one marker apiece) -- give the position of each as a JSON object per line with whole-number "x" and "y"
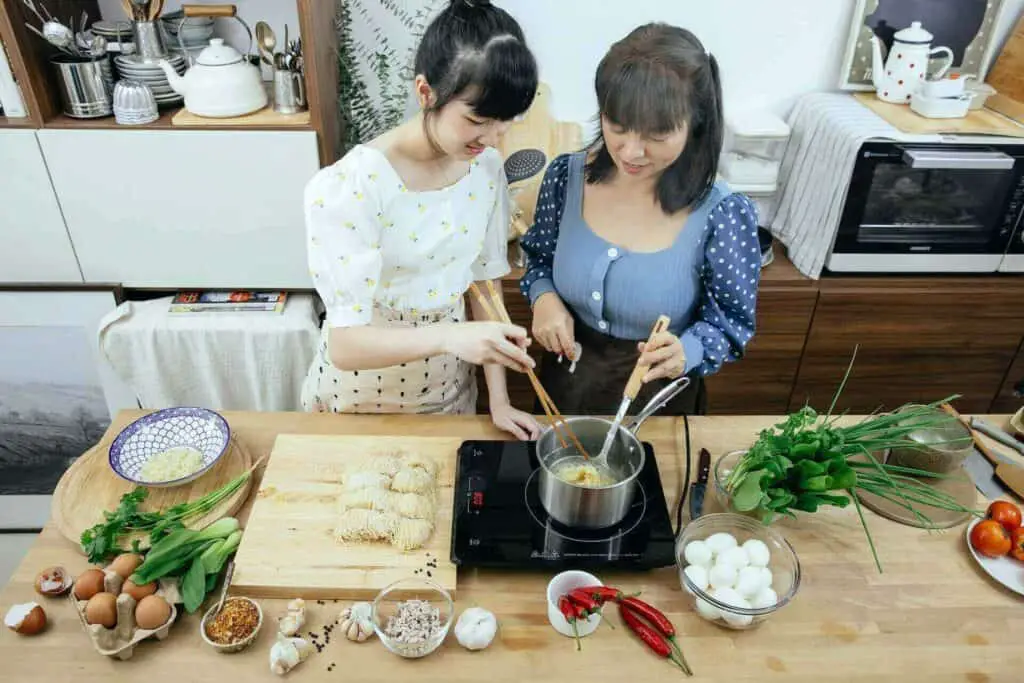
{"x": 412, "y": 617}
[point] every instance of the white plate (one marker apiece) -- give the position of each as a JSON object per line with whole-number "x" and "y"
{"x": 1005, "y": 570}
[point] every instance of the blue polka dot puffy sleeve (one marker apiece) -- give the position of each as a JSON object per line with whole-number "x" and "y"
{"x": 729, "y": 277}
{"x": 540, "y": 240}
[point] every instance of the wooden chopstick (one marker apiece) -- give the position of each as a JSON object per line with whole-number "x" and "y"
{"x": 496, "y": 310}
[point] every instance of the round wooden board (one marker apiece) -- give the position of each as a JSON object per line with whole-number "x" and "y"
{"x": 89, "y": 488}
{"x": 959, "y": 485}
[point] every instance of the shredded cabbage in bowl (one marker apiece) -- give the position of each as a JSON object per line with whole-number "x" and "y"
{"x": 174, "y": 463}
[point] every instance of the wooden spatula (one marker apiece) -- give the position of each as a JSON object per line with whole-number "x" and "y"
{"x": 1011, "y": 475}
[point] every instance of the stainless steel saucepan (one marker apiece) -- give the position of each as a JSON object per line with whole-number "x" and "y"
{"x": 594, "y": 507}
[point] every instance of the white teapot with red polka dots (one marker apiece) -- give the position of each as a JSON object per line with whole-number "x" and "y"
{"x": 903, "y": 72}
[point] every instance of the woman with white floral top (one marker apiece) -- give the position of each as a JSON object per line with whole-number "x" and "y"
{"x": 400, "y": 227}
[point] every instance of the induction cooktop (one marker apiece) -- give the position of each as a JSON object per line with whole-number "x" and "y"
{"x": 499, "y": 521}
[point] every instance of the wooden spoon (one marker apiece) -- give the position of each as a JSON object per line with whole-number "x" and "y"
{"x": 1011, "y": 475}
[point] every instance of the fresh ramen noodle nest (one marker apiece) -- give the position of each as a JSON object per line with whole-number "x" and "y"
{"x": 360, "y": 524}
{"x": 423, "y": 462}
{"x": 358, "y": 480}
{"x": 410, "y": 534}
{"x": 368, "y": 499}
{"x": 385, "y": 464}
{"x": 413, "y": 480}
{"x": 413, "y": 505}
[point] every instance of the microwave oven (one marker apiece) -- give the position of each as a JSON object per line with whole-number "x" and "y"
{"x": 938, "y": 208}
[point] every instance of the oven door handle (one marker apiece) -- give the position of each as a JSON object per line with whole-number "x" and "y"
{"x": 954, "y": 160}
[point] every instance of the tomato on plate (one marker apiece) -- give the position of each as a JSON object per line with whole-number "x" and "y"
{"x": 990, "y": 538}
{"x": 1004, "y": 512}
{"x": 1017, "y": 544}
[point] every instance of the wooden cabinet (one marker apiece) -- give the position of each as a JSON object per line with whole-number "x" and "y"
{"x": 174, "y": 209}
{"x": 920, "y": 339}
{"x": 34, "y": 243}
{"x": 1011, "y": 394}
{"x": 761, "y": 382}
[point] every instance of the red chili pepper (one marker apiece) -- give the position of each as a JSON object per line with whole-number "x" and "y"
{"x": 579, "y": 597}
{"x": 635, "y": 607}
{"x": 568, "y": 611}
{"x": 652, "y": 638}
{"x": 605, "y": 594}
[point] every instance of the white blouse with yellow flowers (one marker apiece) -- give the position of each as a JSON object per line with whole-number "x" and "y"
{"x": 374, "y": 243}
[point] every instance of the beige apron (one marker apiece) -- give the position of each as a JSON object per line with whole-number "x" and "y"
{"x": 442, "y": 384}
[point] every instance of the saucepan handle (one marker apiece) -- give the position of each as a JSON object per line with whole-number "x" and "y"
{"x": 659, "y": 401}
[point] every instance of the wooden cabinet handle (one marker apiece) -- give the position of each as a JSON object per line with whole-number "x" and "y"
{"x": 636, "y": 380}
{"x": 209, "y": 10}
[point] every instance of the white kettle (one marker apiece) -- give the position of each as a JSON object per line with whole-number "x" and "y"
{"x": 907, "y": 65}
{"x": 221, "y": 84}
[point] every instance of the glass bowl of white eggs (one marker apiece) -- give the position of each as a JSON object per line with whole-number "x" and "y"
{"x": 736, "y": 570}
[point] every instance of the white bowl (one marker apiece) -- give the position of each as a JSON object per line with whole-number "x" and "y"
{"x": 559, "y": 586}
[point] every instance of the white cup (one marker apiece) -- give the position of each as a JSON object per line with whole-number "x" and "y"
{"x": 559, "y": 586}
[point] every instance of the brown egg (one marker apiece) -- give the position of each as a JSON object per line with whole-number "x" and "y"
{"x": 88, "y": 584}
{"x": 125, "y": 564}
{"x": 152, "y": 612}
{"x": 102, "y": 609}
{"x": 138, "y": 592}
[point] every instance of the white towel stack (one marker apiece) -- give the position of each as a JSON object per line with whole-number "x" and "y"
{"x": 828, "y": 129}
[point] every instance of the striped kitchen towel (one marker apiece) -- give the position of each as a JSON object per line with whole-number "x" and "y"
{"x": 828, "y": 129}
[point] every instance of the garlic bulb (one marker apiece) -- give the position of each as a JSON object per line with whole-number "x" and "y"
{"x": 294, "y": 618}
{"x": 356, "y": 622}
{"x": 476, "y": 628}
{"x": 288, "y": 653}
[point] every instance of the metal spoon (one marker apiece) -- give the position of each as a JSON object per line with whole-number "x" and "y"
{"x": 57, "y": 34}
{"x": 32, "y": 6}
{"x": 224, "y": 589}
{"x": 266, "y": 41}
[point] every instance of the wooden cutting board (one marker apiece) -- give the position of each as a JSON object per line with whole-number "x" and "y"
{"x": 288, "y": 549}
{"x": 1007, "y": 76}
{"x": 89, "y": 488}
{"x": 265, "y": 117}
{"x": 905, "y": 119}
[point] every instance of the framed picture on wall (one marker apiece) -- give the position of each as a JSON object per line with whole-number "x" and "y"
{"x": 964, "y": 26}
{"x": 57, "y": 396}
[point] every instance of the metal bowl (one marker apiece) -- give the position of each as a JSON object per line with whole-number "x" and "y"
{"x": 188, "y": 427}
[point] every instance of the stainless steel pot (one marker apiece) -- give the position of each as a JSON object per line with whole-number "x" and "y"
{"x": 596, "y": 507}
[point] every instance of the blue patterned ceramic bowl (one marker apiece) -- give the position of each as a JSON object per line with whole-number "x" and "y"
{"x": 194, "y": 428}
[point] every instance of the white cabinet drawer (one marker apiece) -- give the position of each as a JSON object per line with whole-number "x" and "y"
{"x": 185, "y": 208}
{"x": 34, "y": 242}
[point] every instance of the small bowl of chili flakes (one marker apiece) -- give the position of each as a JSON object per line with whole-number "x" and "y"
{"x": 234, "y": 628}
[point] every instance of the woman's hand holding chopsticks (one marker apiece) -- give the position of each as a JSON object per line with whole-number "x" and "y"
{"x": 482, "y": 343}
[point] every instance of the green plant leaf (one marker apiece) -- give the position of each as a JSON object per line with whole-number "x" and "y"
{"x": 748, "y": 494}
{"x": 193, "y": 587}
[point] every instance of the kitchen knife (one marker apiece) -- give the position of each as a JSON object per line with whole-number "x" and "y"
{"x": 699, "y": 487}
{"x": 997, "y": 434}
{"x": 984, "y": 476}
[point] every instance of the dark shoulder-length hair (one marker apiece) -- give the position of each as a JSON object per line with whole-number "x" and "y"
{"x": 653, "y": 82}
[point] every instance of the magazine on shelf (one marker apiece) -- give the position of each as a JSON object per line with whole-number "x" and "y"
{"x": 11, "y": 103}
{"x": 239, "y": 300}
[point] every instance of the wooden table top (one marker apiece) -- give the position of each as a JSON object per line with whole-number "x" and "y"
{"x": 932, "y": 616}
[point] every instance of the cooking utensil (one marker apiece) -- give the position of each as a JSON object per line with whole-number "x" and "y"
{"x": 523, "y": 164}
{"x": 266, "y": 41}
{"x": 600, "y": 506}
{"x": 1012, "y": 476}
{"x": 85, "y": 85}
{"x": 984, "y": 476}
{"x": 699, "y": 487}
{"x": 224, "y": 588}
{"x": 633, "y": 386}
{"x": 32, "y": 6}
{"x": 289, "y": 92}
{"x": 997, "y": 434}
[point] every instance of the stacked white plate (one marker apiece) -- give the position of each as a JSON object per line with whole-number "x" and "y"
{"x": 110, "y": 30}
{"x": 147, "y": 71}
{"x": 194, "y": 35}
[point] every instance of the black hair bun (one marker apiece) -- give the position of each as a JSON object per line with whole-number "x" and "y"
{"x": 470, "y": 3}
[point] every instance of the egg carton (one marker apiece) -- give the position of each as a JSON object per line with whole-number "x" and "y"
{"x": 119, "y": 642}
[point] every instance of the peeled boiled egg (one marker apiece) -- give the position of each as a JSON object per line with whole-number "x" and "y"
{"x": 707, "y": 610}
{"x": 102, "y": 609}
{"x": 698, "y": 576}
{"x": 766, "y": 577}
{"x": 126, "y": 564}
{"x": 757, "y": 552}
{"x": 720, "y": 542}
{"x": 88, "y": 584}
{"x": 737, "y": 557}
{"x": 152, "y": 612}
{"x": 723, "y": 575}
{"x": 749, "y": 582}
{"x": 697, "y": 552}
{"x": 138, "y": 592}
{"x": 765, "y": 598}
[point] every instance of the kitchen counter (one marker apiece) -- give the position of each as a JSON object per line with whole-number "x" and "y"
{"x": 932, "y": 616}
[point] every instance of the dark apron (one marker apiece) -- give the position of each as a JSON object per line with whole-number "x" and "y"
{"x": 604, "y": 367}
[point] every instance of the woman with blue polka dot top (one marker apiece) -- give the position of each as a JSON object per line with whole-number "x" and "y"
{"x": 635, "y": 227}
